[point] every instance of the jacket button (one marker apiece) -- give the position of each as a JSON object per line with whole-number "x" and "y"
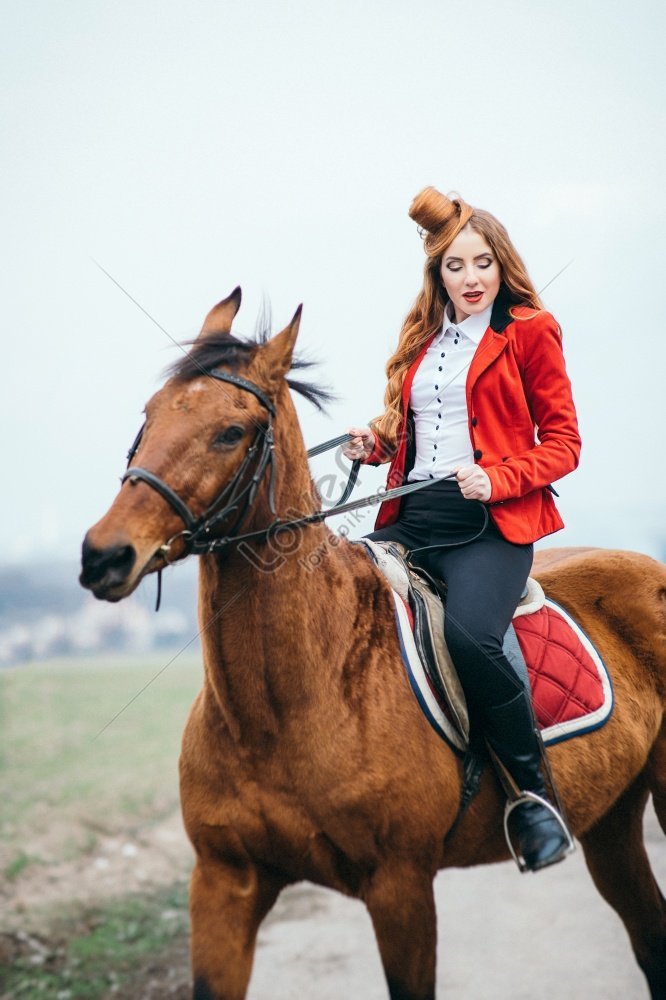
{"x": 474, "y": 421}
{"x": 478, "y": 454}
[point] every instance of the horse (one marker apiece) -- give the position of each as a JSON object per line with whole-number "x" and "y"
{"x": 305, "y": 755}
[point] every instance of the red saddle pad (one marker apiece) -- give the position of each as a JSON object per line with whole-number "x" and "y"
{"x": 571, "y": 689}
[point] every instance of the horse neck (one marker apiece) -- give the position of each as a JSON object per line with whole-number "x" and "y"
{"x": 271, "y": 632}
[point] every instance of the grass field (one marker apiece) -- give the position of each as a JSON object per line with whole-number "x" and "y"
{"x": 120, "y": 948}
{"x": 92, "y": 854}
{"x": 61, "y": 777}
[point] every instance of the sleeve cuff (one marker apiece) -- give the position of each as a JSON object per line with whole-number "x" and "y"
{"x": 378, "y": 455}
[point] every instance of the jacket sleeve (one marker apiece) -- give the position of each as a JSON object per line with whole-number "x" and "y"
{"x": 379, "y": 454}
{"x": 548, "y": 394}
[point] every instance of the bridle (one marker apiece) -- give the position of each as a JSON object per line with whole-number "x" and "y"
{"x": 197, "y": 536}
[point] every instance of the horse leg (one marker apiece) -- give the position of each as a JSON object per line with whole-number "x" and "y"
{"x": 657, "y": 777}
{"x": 619, "y": 865}
{"x": 402, "y": 908}
{"x": 229, "y": 897}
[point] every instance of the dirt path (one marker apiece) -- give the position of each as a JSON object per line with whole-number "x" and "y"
{"x": 502, "y": 936}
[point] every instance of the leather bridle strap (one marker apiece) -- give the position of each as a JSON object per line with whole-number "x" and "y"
{"x": 196, "y": 536}
{"x": 136, "y": 472}
{"x": 196, "y": 533}
{"x": 196, "y": 527}
{"x": 319, "y": 449}
{"x": 243, "y": 383}
{"x": 336, "y": 509}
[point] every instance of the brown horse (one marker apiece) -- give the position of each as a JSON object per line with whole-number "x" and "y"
{"x": 305, "y": 755}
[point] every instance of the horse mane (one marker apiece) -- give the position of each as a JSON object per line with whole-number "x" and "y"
{"x": 235, "y": 352}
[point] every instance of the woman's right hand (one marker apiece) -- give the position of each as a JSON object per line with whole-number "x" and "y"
{"x": 361, "y": 445}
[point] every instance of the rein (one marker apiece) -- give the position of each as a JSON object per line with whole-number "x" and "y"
{"x": 196, "y": 535}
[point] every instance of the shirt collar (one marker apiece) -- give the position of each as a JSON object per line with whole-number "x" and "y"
{"x": 473, "y": 327}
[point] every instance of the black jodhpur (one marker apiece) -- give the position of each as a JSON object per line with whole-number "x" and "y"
{"x": 485, "y": 579}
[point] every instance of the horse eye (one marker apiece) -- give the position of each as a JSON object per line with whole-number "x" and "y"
{"x": 231, "y": 435}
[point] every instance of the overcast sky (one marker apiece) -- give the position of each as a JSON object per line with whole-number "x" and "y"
{"x": 191, "y": 148}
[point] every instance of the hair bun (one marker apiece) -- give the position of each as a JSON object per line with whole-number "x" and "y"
{"x": 439, "y": 218}
{"x": 431, "y": 209}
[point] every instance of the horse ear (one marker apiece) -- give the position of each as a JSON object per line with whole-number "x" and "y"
{"x": 221, "y": 316}
{"x": 275, "y": 356}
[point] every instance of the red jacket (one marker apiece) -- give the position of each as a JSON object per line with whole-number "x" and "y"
{"x": 516, "y": 385}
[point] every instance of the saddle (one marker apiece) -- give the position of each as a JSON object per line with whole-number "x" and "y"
{"x": 561, "y": 670}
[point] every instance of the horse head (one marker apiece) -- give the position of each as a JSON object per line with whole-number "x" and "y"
{"x": 204, "y": 451}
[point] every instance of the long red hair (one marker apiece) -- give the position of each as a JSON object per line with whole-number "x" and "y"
{"x": 440, "y": 220}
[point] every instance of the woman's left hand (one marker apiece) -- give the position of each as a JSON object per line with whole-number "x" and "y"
{"x": 474, "y": 482}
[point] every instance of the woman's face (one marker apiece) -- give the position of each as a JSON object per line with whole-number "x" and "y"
{"x": 470, "y": 273}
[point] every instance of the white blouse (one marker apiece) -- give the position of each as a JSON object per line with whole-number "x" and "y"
{"x": 438, "y": 398}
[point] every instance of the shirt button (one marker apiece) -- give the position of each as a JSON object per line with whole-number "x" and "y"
{"x": 435, "y": 447}
{"x": 437, "y": 427}
{"x": 436, "y": 387}
{"x": 439, "y": 369}
{"x": 431, "y": 475}
{"x": 478, "y": 454}
{"x": 438, "y": 400}
{"x": 433, "y": 458}
{"x": 442, "y": 355}
{"x": 474, "y": 421}
{"x": 439, "y": 416}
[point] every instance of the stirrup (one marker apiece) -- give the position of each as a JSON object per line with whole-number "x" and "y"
{"x": 533, "y": 797}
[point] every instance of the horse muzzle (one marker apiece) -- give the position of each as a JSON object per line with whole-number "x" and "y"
{"x": 106, "y": 571}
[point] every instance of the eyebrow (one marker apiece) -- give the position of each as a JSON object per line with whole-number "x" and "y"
{"x": 488, "y": 253}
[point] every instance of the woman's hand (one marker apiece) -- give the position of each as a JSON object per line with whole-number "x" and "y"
{"x": 474, "y": 482}
{"x": 361, "y": 445}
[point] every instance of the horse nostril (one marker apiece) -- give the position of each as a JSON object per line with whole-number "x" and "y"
{"x": 112, "y": 564}
{"x": 121, "y": 559}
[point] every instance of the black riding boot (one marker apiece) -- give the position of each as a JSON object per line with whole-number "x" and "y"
{"x": 510, "y": 731}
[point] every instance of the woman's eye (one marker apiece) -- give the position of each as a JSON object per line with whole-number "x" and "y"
{"x": 483, "y": 264}
{"x": 231, "y": 435}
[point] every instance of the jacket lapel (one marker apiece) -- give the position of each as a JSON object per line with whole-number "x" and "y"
{"x": 490, "y": 347}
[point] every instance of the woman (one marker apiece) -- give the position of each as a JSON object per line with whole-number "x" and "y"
{"x": 478, "y": 369}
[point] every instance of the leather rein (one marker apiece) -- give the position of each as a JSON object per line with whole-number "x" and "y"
{"x": 197, "y": 535}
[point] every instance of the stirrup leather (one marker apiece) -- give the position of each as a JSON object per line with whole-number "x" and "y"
{"x": 533, "y": 797}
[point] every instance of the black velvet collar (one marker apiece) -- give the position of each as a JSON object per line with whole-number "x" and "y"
{"x": 499, "y": 314}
